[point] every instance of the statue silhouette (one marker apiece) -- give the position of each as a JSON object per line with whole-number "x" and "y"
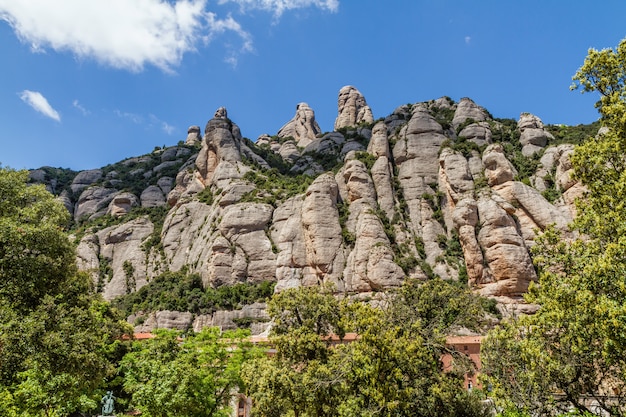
{"x": 108, "y": 404}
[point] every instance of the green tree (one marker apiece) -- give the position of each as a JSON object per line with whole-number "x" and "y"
{"x": 57, "y": 340}
{"x": 572, "y": 352}
{"x": 36, "y": 257}
{"x": 393, "y": 368}
{"x": 190, "y": 377}
{"x": 297, "y": 380}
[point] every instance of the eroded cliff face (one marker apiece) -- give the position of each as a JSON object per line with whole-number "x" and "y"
{"x": 428, "y": 190}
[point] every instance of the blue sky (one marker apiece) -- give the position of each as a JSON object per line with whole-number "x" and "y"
{"x": 88, "y": 83}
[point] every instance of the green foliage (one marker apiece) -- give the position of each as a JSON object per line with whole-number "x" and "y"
{"x": 129, "y": 173}
{"x": 273, "y": 159}
{"x": 463, "y": 145}
{"x": 573, "y": 349}
{"x": 367, "y": 158}
{"x": 572, "y": 134}
{"x": 443, "y": 116}
{"x": 343, "y": 209}
{"x": 58, "y": 179}
{"x": 58, "y": 342}
{"x": 205, "y": 196}
{"x": 329, "y": 161}
{"x": 505, "y": 131}
{"x": 434, "y": 201}
{"x": 274, "y": 187}
{"x": 194, "y": 377}
{"x": 179, "y": 291}
{"x": 480, "y": 182}
{"x": 129, "y": 273}
{"x": 392, "y": 369}
{"x": 36, "y": 258}
{"x": 407, "y": 263}
{"x": 464, "y": 124}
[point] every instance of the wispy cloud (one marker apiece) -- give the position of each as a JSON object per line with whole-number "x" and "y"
{"x": 149, "y": 122}
{"x": 468, "y": 40}
{"x": 278, "y": 7}
{"x": 38, "y": 102}
{"x": 167, "y": 128}
{"x": 133, "y": 117}
{"x": 130, "y": 34}
{"x": 164, "y": 126}
{"x": 80, "y": 108}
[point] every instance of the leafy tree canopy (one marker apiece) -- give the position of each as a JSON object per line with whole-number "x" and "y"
{"x": 57, "y": 341}
{"x": 571, "y": 354}
{"x": 393, "y": 368}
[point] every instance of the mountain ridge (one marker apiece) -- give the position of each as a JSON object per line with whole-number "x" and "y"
{"x": 436, "y": 188}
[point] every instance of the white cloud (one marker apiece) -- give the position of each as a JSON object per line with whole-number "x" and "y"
{"x": 80, "y": 108}
{"x": 468, "y": 39}
{"x": 38, "y": 102}
{"x": 126, "y": 34}
{"x": 165, "y": 127}
{"x": 133, "y": 117}
{"x": 280, "y": 6}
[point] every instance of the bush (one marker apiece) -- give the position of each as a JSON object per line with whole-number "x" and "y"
{"x": 179, "y": 291}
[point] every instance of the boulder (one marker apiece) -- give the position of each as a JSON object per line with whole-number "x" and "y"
{"x": 498, "y": 169}
{"x": 122, "y": 203}
{"x": 533, "y": 135}
{"x": 289, "y": 151}
{"x": 479, "y": 133}
{"x": 152, "y": 197}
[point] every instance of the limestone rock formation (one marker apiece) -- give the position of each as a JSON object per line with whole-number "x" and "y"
{"x": 219, "y": 159}
{"x": 479, "y": 133}
{"x": 353, "y": 108}
{"x": 322, "y": 233}
{"x": 193, "y": 135}
{"x": 115, "y": 258}
{"x": 405, "y": 197}
{"x": 302, "y": 127}
{"x": 84, "y": 179}
{"x": 468, "y": 110}
{"x": 93, "y": 202}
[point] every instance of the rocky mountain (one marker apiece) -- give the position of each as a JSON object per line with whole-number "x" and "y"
{"x": 436, "y": 188}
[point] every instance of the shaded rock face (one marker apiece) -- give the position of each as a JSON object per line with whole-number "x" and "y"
{"x": 353, "y": 108}
{"x": 93, "y": 202}
{"x": 393, "y": 209}
{"x": 303, "y": 127}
